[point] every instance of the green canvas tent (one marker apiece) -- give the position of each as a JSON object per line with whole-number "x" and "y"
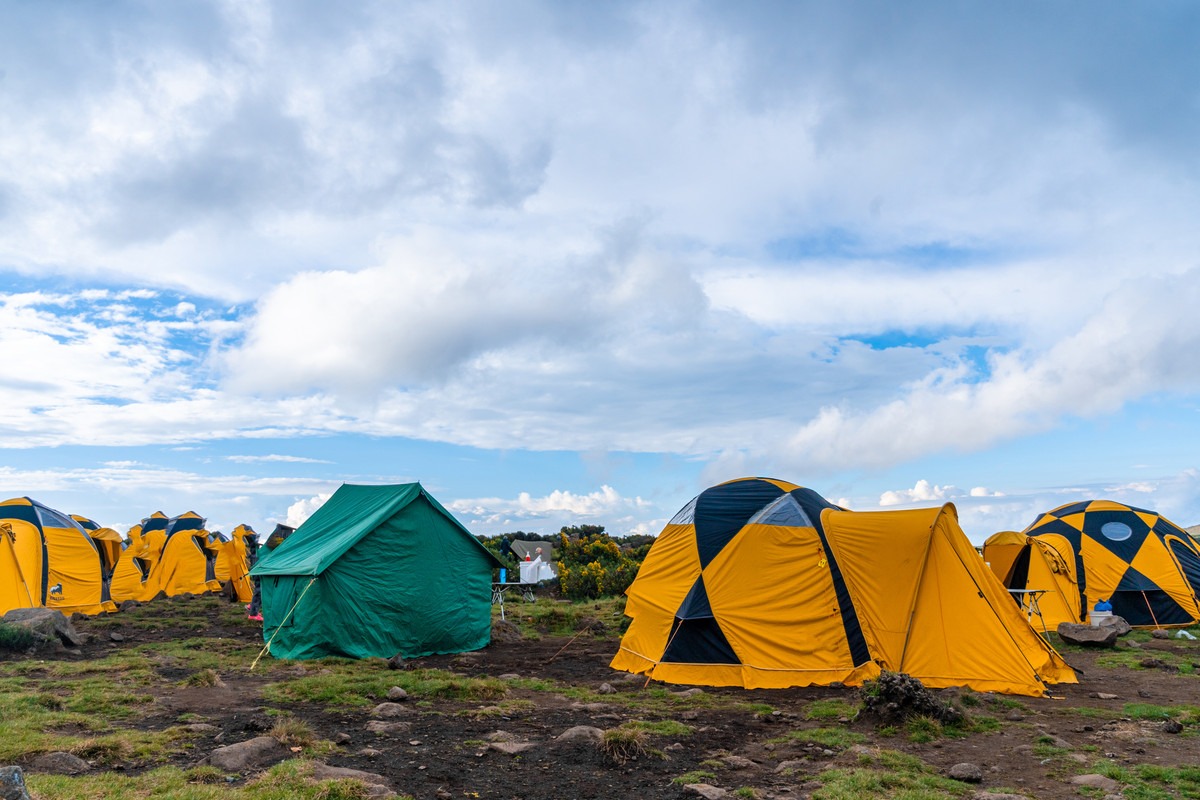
{"x": 377, "y": 571}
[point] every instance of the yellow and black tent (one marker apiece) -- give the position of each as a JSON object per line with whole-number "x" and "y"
{"x": 188, "y": 561}
{"x": 47, "y": 559}
{"x": 233, "y": 561}
{"x": 1141, "y": 562}
{"x": 763, "y": 584}
{"x": 108, "y": 542}
{"x": 135, "y": 577}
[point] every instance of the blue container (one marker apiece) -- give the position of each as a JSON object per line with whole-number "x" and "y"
{"x": 503, "y": 574}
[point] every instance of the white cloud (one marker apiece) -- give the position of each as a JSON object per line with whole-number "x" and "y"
{"x": 302, "y": 509}
{"x": 274, "y": 458}
{"x": 605, "y": 502}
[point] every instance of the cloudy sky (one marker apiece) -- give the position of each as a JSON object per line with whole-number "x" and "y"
{"x": 573, "y": 262}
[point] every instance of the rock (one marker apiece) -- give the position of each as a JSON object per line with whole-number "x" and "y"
{"x": 1144, "y": 693}
{"x": 1172, "y": 726}
{"x": 509, "y": 676}
{"x": 46, "y": 624}
{"x": 1134, "y": 645}
{"x": 706, "y": 791}
{"x": 385, "y": 727}
{"x": 580, "y": 732}
{"x": 1096, "y": 781}
{"x": 116, "y": 637}
{"x": 895, "y": 697}
{"x": 690, "y": 693}
{"x": 790, "y": 766}
{"x": 396, "y": 662}
{"x": 1016, "y": 715}
{"x": 1114, "y": 621}
{"x": 1105, "y": 696}
{"x": 510, "y": 748}
{"x": 501, "y": 736}
{"x": 1087, "y": 635}
{"x": 966, "y": 772}
{"x": 739, "y": 762}
{"x": 1058, "y": 741}
{"x": 505, "y": 632}
{"x": 389, "y": 710}
{"x": 257, "y": 752}
{"x": 606, "y": 688}
{"x": 12, "y": 784}
{"x": 60, "y": 764}
{"x": 128, "y": 605}
{"x": 377, "y": 785}
{"x": 200, "y": 727}
{"x": 342, "y": 738}
{"x": 370, "y": 752}
{"x": 1159, "y": 633}
{"x": 396, "y": 694}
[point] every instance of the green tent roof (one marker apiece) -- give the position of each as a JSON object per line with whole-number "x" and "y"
{"x": 350, "y": 514}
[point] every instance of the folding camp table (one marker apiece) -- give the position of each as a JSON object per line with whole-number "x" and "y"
{"x": 498, "y": 590}
{"x": 1027, "y": 599}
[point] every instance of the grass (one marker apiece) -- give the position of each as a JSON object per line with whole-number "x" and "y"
{"x": 839, "y": 738}
{"x": 357, "y": 684}
{"x": 890, "y": 776}
{"x": 831, "y": 709}
{"x": 16, "y": 638}
{"x": 289, "y": 780}
{"x": 622, "y": 745}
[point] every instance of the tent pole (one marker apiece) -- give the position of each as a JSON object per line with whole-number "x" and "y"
{"x": 1151, "y": 610}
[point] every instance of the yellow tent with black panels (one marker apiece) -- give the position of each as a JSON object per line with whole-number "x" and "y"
{"x": 48, "y": 560}
{"x": 134, "y": 576}
{"x": 232, "y": 568}
{"x": 1079, "y": 553}
{"x": 764, "y": 584}
{"x": 188, "y": 561}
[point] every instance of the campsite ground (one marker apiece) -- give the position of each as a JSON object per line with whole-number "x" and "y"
{"x": 156, "y": 689}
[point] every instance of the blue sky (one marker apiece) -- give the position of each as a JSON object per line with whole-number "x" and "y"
{"x": 571, "y": 263}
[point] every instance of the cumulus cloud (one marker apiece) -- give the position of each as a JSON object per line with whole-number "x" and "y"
{"x": 606, "y": 502}
{"x": 275, "y": 458}
{"x": 304, "y": 508}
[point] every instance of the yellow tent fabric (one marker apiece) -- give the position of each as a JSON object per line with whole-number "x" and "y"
{"x": 233, "y": 563}
{"x": 188, "y": 561}
{"x": 763, "y": 584}
{"x": 108, "y": 543}
{"x": 1147, "y": 567}
{"x": 47, "y": 559}
{"x": 135, "y": 577}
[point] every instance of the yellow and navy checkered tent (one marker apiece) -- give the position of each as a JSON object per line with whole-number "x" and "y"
{"x": 764, "y": 584}
{"x": 47, "y": 559}
{"x": 1141, "y": 562}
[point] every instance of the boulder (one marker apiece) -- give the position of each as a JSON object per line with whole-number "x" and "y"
{"x": 47, "y": 624}
{"x": 396, "y": 694}
{"x": 1159, "y": 633}
{"x": 581, "y": 732}
{"x": 257, "y": 752}
{"x": 1087, "y": 635}
{"x": 966, "y": 772}
{"x": 12, "y": 784}
{"x": 1114, "y": 621}
{"x": 377, "y": 785}
{"x": 1096, "y": 781}
{"x": 389, "y": 710}
{"x": 386, "y": 727}
{"x": 61, "y": 764}
{"x": 706, "y": 791}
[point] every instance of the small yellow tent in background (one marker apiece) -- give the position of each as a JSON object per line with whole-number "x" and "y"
{"x": 233, "y": 562}
{"x": 763, "y": 584}
{"x": 1141, "y": 562}
{"x": 188, "y": 561}
{"x": 108, "y": 542}
{"x": 134, "y": 577}
{"x": 47, "y": 559}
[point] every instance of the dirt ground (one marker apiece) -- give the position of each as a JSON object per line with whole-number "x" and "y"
{"x": 444, "y": 752}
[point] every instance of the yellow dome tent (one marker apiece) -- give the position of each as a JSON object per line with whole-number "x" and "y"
{"x": 188, "y": 561}
{"x": 47, "y": 559}
{"x": 763, "y": 584}
{"x": 1141, "y": 562}
{"x": 134, "y": 577}
{"x": 233, "y": 562}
